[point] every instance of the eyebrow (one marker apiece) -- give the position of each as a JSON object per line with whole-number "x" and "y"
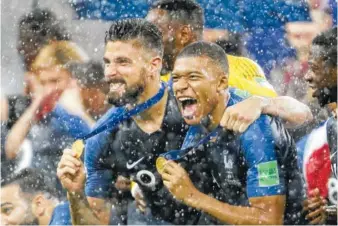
{"x": 106, "y": 60}
{"x": 6, "y": 203}
{"x": 182, "y": 74}
{"x": 119, "y": 59}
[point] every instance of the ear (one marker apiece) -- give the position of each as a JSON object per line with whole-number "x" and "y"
{"x": 223, "y": 82}
{"x": 155, "y": 65}
{"x": 186, "y": 34}
{"x": 38, "y": 205}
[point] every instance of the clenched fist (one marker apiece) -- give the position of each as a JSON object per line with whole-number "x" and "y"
{"x": 71, "y": 172}
{"x": 241, "y": 115}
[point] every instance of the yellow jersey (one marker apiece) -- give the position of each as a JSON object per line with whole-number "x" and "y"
{"x": 246, "y": 75}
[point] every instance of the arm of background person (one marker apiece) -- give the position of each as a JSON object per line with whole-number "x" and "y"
{"x": 4, "y": 109}
{"x": 20, "y": 130}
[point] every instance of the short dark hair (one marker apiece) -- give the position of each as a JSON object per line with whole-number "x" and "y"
{"x": 30, "y": 181}
{"x": 88, "y": 74}
{"x": 328, "y": 41}
{"x": 43, "y": 24}
{"x": 208, "y": 49}
{"x": 185, "y": 11}
{"x": 233, "y": 45}
{"x": 140, "y": 29}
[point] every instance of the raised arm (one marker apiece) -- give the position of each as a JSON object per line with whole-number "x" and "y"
{"x": 42, "y": 103}
{"x": 84, "y": 211}
{"x": 20, "y": 129}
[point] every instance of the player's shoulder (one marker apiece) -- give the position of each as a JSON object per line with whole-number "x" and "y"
{"x": 262, "y": 125}
{"x": 61, "y": 215}
{"x": 244, "y": 64}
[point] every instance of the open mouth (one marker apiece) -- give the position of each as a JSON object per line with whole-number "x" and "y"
{"x": 117, "y": 87}
{"x": 189, "y": 107}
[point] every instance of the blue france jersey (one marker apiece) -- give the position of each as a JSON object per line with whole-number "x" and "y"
{"x": 260, "y": 162}
{"x": 61, "y": 215}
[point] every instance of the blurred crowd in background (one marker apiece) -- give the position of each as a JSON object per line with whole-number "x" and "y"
{"x": 38, "y": 36}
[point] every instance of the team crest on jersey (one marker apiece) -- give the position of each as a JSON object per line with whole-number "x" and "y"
{"x": 228, "y": 162}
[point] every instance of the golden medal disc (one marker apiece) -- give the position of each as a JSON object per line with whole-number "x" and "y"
{"x": 78, "y": 147}
{"x": 160, "y": 163}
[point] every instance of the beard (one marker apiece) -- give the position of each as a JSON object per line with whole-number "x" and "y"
{"x": 131, "y": 94}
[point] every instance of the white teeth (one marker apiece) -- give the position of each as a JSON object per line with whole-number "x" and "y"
{"x": 116, "y": 85}
{"x": 185, "y": 98}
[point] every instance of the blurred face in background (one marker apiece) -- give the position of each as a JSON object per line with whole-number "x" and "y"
{"x": 15, "y": 208}
{"x": 320, "y": 75}
{"x": 54, "y": 78}
{"x": 125, "y": 71}
{"x": 170, "y": 33}
{"x": 93, "y": 99}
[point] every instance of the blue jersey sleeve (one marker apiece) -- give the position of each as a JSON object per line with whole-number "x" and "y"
{"x": 99, "y": 183}
{"x": 70, "y": 124}
{"x": 264, "y": 174}
{"x": 61, "y": 215}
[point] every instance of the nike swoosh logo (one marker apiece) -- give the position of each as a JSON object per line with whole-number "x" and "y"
{"x": 134, "y": 163}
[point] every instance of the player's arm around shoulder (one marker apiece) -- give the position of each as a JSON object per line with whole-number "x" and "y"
{"x": 241, "y": 115}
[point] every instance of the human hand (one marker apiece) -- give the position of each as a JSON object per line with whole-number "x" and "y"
{"x": 71, "y": 172}
{"x": 315, "y": 207}
{"x": 178, "y": 182}
{"x": 240, "y": 116}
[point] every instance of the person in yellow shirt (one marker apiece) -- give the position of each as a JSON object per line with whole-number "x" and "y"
{"x": 181, "y": 23}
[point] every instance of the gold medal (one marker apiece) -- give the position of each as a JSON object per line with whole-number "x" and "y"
{"x": 78, "y": 147}
{"x": 160, "y": 162}
{"x": 132, "y": 184}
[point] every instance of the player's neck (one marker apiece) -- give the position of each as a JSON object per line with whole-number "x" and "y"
{"x": 216, "y": 115}
{"x": 48, "y": 213}
{"x": 151, "y": 119}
